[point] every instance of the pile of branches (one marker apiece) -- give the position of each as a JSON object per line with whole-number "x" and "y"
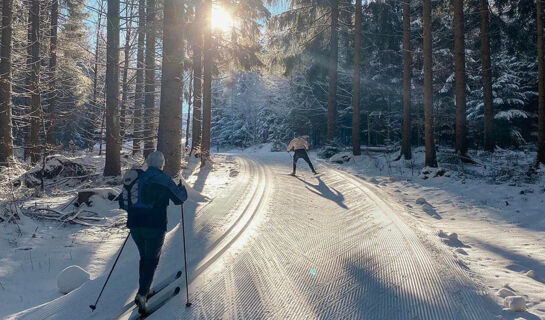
{"x": 80, "y": 216}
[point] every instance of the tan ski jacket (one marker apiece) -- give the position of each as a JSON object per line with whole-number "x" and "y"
{"x": 298, "y": 143}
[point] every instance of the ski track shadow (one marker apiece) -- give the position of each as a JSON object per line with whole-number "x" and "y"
{"x": 321, "y": 189}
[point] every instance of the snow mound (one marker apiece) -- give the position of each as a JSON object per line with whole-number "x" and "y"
{"x": 515, "y": 303}
{"x": 56, "y": 166}
{"x": 341, "y": 158}
{"x": 504, "y": 293}
{"x": 71, "y": 278}
{"x": 429, "y": 172}
{"x": 532, "y": 274}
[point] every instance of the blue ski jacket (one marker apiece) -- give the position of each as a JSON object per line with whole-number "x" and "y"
{"x": 158, "y": 190}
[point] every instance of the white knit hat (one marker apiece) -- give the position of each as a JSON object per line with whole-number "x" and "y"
{"x": 156, "y": 160}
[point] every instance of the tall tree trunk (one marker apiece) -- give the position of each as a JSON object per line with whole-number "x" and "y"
{"x": 356, "y": 90}
{"x": 35, "y": 97}
{"x": 52, "y": 73}
{"x": 197, "y": 77}
{"x": 189, "y": 104}
{"x": 407, "y": 75}
{"x": 489, "y": 141}
{"x": 139, "y": 89}
{"x": 460, "y": 76}
{"x": 96, "y": 113}
{"x": 6, "y": 135}
{"x": 207, "y": 84}
{"x": 541, "y": 87}
{"x": 431, "y": 158}
{"x": 333, "y": 61}
{"x": 170, "y": 114}
{"x": 112, "y": 166}
{"x": 149, "y": 103}
{"x": 124, "y": 78}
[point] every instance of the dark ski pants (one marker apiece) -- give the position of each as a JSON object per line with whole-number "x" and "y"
{"x": 301, "y": 153}
{"x": 149, "y": 242}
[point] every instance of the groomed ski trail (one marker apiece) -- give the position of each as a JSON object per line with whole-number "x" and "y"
{"x": 331, "y": 247}
{"x": 306, "y": 247}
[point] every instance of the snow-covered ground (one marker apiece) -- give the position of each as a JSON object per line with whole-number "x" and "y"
{"x": 374, "y": 243}
{"x": 495, "y": 209}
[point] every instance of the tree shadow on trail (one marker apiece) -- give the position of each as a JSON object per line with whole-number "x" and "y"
{"x": 324, "y": 191}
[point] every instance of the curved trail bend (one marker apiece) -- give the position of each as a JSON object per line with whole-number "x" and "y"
{"x": 330, "y": 247}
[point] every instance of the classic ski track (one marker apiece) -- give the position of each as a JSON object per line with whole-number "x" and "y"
{"x": 367, "y": 262}
{"x": 246, "y": 205}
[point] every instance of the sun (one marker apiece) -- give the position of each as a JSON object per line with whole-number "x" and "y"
{"x": 221, "y": 19}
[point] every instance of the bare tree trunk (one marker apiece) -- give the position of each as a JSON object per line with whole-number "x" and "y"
{"x": 431, "y": 158}
{"x": 112, "y": 166}
{"x": 149, "y": 103}
{"x": 541, "y": 86}
{"x": 460, "y": 76}
{"x": 197, "y": 77}
{"x": 35, "y": 97}
{"x": 333, "y": 61}
{"x": 489, "y": 141}
{"x": 6, "y": 135}
{"x": 96, "y": 113}
{"x": 407, "y": 75}
{"x": 189, "y": 103}
{"x": 356, "y": 90}
{"x": 124, "y": 81}
{"x": 170, "y": 116}
{"x": 139, "y": 89}
{"x": 52, "y": 73}
{"x": 207, "y": 85}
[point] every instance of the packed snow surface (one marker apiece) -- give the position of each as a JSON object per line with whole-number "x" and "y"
{"x": 352, "y": 242}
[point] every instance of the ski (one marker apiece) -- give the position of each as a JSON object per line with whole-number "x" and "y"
{"x": 156, "y": 289}
{"x": 159, "y": 301}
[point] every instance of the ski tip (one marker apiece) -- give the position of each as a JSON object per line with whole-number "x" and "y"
{"x": 93, "y": 307}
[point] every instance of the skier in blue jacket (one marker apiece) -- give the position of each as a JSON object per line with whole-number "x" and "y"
{"x": 147, "y": 219}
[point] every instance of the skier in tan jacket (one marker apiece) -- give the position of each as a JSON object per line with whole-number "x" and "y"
{"x": 299, "y": 145}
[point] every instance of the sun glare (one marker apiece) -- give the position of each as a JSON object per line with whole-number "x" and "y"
{"x": 221, "y": 19}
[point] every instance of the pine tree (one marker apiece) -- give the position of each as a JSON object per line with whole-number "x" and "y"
{"x": 139, "y": 89}
{"x": 489, "y": 141}
{"x": 170, "y": 116}
{"x": 6, "y": 135}
{"x": 459, "y": 62}
{"x": 126, "y": 59}
{"x": 407, "y": 73}
{"x": 356, "y": 89}
{"x": 34, "y": 80}
{"x": 112, "y": 166}
{"x": 431, "y": 159}
{"x": 149, "y": 102}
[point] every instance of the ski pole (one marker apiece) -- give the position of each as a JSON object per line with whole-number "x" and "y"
{"x": 187, "y": 303}
{"x": 94, "y": 306}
